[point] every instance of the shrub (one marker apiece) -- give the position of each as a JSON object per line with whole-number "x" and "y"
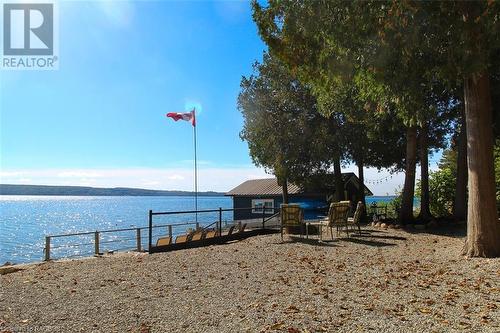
{"x": 441, "y": 192}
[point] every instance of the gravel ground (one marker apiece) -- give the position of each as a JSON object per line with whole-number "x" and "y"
{"x": 381, "y": 281}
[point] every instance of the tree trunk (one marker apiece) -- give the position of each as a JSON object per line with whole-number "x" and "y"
{"x": 425, "y": 211}
{"x": 483, "y": 228}
{"x": 361, "y": 176}
{"x": 362, "y": 198}
{"x": 284, "y": 188}
{"x": 460, "y": 200}
{"x": 339, "y": 183}
{"x": 406, "y": 213}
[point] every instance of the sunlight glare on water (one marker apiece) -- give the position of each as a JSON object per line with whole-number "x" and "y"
{"x": 26, "y": 220}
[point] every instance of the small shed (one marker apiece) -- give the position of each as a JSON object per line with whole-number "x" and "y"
{"x": 257, "y": 197}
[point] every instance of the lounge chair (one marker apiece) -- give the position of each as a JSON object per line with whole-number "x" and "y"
{"x": 291, "y": 216}
{"x": 182, "y": 238}
{"x": 337, "y": 216}
{"x": 162, "y": 241}
{"x": 356, "y": 219}
{"x": 230, "y": 231}
{"x": 210, "y": 234}
{"x": 198, "y": 235}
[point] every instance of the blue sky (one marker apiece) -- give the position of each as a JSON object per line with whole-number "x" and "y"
{"x": 100, "y": 119}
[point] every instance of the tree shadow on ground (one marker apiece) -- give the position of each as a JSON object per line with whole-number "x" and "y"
{"x": 311, "y": 241}
{"x": 380, "y": 237}
{"x": 366, "y": 242}
{"x": 454, "y": 231}
{"x": 372, "y": 231}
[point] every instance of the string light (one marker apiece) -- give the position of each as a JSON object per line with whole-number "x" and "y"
{"x": 378, "y": 181}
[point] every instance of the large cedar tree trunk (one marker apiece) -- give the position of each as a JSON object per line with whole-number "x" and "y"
{"x": 284, "y": 187}
{"x": 483, "y": 228}
{"x": 460, "y": 200}
{"x": 406, "y": 212}
{"x": 339, "y": 183}
{"x": 425, "y": 211}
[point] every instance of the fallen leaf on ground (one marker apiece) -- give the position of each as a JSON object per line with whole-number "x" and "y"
{"x": 144, "y": 328}
{"x": 277, "y": 326}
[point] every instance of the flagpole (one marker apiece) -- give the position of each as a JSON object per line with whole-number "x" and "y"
{"x": 195, "y": 171}
{"x": 191, "y": 116}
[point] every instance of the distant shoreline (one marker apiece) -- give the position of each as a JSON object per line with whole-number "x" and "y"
{"x": 12, "y": 189}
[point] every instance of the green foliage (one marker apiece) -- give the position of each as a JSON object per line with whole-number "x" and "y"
{"x": 497, "y": 170}
{"x": 394, "y": 206}
{"x": 377, "y": 51}
{"x": 442, "y": 182}
{"x": 281, "y": 124}
{"x": 404, "y": 59}
{"x": 449, "y": 161}
{"x": 441, "y": 191}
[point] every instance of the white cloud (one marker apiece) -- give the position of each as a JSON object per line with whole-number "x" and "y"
{"x": 213, "y": 179}
{"x": 176, "y": 177}
{"x": 209, "y": 178}
{"x": 9, "y": 174}
{"x": 75, "y": 174}
{"x": 146, "y": 182}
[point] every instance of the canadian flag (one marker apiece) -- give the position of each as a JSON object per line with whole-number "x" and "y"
{"x": 187, "y": 116}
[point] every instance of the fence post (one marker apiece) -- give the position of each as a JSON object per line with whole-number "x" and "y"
{"x": 220, "y": 221}
{"x": 170, "y": 231}
{"x": 197, "y": 225}
{"x": 263, "y": 217}
{"x": 96, "y": 242}
{"x": 138, "y": 239}
{"x": 150, "y": 237}
{"x": 47, "y": 248}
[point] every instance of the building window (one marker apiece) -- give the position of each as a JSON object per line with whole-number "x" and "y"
{"x": 259, "y": 204}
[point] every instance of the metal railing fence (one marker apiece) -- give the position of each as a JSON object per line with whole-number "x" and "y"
{"x": 98, "y": 242}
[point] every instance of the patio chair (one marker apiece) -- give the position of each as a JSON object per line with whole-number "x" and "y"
{"x": 211, "y": 234}
{"x": 182, "y": 238}
{"x": 242, "y": 227}
{"x": 198, "y": 235}
{"x": 356, "y": 219}
{"x": 230, "y": 231}
{"x": 162, "y": 241}
{"x": 291, "y": 216}
{"x": 337, "y": 216}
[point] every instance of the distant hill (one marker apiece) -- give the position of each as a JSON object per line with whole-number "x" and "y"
{"x": 9, "y": 189}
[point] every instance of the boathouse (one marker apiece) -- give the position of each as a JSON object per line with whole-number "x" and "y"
{"x": 257, "y": 197}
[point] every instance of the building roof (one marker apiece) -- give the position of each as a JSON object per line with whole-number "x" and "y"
{"x": 269, "y": 186}
{"x": 266, "y": 186}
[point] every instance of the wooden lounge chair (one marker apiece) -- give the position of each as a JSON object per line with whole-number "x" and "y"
{"x": 337, "y": 216}
{"x": 356, "y": 219}
{"x": 210, "y": 234}
{"x": 182, "y": 238}
{"x": 230, "y": 231}
{"x": 291, "y": 216}
{"x": 162, "y": 241}
{"x": 198, "y": 235}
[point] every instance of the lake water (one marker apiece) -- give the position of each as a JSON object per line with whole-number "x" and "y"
{"x": 26, "y": 220}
